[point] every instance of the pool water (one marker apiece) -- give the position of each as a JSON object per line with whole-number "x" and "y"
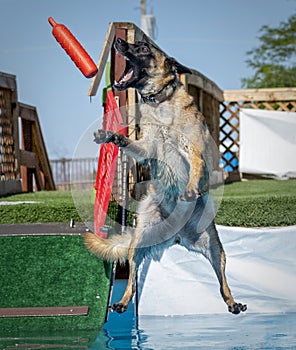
{"x": 236, "y": 332}
{"x": 124, "y": 331}
{"x": 253, "y": 331}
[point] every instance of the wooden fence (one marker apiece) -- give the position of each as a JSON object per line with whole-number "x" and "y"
{"x": 76, "y": 172}
{"x": 281, "y": 99}
{"x": 9, "y": 168}
{"x": 206, "y": 93}
{"x": 24, "y": 163}
{"x": 221, "y": 108}
{"x": 23, "y": 153}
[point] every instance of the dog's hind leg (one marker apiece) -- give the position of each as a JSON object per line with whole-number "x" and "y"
{"x": 135, "y": 257}
{"x": 152, "y": 235}
{"x": 130, "y": 289}
{"x": 211, "y": 247}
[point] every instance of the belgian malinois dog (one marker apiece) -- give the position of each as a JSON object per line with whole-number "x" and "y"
{"x": 175, "y": 142}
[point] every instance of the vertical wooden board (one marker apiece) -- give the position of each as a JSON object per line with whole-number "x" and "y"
{"x": 184, "y": 81}
{"x": 130, "y": 36}
{"x": 41, "y": 152}
{"x": 32, "y": 140}
{"x": 15, "y": 116}
{"x": 208, "y": 112}
{"x": 117, "y": 70}
{"x": 193, "y": 91}
{"x": 7, "y": 129}
{"x": 102, "y": 60}
{"x": 216, "y": 116}
{"x": 132, "y": 95}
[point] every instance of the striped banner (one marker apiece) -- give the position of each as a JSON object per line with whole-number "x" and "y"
{"x": 112, "y": 121}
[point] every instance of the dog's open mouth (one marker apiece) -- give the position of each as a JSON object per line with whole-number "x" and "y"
{"x": 127, "y": 77}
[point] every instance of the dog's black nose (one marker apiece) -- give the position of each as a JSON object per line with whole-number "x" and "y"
{"x": 121, "y": 45}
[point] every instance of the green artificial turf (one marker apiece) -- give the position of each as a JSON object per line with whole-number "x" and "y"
{"x": 41, "y": 271}
{"x": 258, "y": 203}
{"x": 51, "y": 206}
{"x": 248, "y": 203}
{"x": 59, "y": 271}
{"x": 48, "y": 339}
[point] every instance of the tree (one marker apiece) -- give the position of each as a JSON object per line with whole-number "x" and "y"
{"x": 274, "y": 60}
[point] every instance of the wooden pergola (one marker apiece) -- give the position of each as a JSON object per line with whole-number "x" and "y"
{"x": 23, "y": 155}
{"x": 280, "y": 99}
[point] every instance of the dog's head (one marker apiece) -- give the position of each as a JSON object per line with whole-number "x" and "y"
{"x": 147, "y": 67}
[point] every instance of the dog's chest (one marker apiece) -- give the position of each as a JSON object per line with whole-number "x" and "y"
{"x": 163, "y": 113}
{"x": 157, "y": 134}
{"x": 170, "y": 156}
{"x": 166, "y": 138}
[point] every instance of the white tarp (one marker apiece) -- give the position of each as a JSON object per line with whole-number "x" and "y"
{"x": 267, "y": 143}
{"x": 260, "y": 269}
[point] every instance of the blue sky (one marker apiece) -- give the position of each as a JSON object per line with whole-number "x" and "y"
{"x": 210, "y": 36}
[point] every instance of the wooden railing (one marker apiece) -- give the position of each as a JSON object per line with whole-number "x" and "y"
{"x": 23, "y": 155}
{"x": 77, "y": 172}
{"x": 220, "y": 108}
{"x": 281, "y": 99}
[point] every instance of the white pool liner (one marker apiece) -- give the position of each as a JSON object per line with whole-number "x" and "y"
{"x": 260, "y": 269}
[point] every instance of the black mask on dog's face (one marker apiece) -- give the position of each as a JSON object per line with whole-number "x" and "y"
{"x": 144, "y": 61}
{"x": 138, "y": 58}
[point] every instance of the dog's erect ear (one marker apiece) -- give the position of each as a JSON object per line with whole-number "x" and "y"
{"x": 145, "y": 39}
{"x": 178, "y": 66}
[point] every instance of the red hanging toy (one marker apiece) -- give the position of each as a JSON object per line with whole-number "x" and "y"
{"x": 74, "y": 49}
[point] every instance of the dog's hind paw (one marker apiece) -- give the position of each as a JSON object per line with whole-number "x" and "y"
{"x": 236, "y": 308}
{"x": 118, "y": 307}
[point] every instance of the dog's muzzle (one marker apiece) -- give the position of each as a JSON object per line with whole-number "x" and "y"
{"x": 121, "y": 45}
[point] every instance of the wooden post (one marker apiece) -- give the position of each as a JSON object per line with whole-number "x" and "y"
{"x": 27, "y": 173}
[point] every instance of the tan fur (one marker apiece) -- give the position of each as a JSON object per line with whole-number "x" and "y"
{"x": 190, "y": 123}
{"x": 177, "y": 145}
{"x": 112, "y": 249}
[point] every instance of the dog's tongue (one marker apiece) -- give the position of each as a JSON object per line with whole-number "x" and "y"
{"x": 127, "y": 76}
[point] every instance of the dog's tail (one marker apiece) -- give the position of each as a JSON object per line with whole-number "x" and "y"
{"x": 112, "y": 249}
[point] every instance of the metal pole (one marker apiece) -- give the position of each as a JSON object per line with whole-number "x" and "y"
{"x": 124, "y": 191}
{"x": 143, "y": 7}
{"x": 147, "y": 21}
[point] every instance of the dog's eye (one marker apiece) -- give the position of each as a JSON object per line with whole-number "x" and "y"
{"x": 145, "y": 49}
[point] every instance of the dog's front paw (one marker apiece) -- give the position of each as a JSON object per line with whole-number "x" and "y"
{"x": 118, "y": 307}
{"x": 102, "y": 136}
{"x": 236, "y": 308}
{"x": 118, "y": 140}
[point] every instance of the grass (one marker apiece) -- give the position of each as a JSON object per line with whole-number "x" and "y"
{"x": 258, "y": 203}
{"x": 49, "y": 270}
{"x": 248, "y": 203}
{"x": 52, "y": 206}
{"x": 59, "y": 271}
{"x": 52, "y": 271}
